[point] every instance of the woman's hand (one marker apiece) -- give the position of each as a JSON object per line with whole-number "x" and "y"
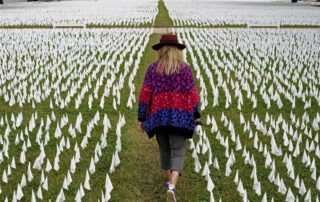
{"x": 198, "y": 121}
{"x": 141, "y": 125}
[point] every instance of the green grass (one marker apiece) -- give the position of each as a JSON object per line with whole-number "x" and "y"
{"x": 139, "y": 177}
{"x": 163, "y": 19}
{"x": 299, "y": 26}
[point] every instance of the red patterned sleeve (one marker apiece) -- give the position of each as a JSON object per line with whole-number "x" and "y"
{"x": 145, "y": 95}
{"x": 194, "y": 93}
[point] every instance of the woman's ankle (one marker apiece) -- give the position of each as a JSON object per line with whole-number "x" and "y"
{"x": 171, "y": 186}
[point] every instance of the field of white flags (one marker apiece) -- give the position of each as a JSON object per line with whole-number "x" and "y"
{"x": 260, "y": 91}
{"x": 61, "y": 93}
{"x": 206, "y": 13}
{"x": 106, "y": 12}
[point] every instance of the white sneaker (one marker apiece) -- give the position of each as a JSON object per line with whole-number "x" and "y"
{"x": 171, "y": 193}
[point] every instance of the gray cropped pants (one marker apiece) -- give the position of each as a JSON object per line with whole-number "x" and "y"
{"x": 172, "y": 151}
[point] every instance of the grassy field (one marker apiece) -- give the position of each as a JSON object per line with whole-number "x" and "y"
{"x": 139, "y": 177}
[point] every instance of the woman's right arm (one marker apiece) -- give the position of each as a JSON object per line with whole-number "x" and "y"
{"x": 145, "y": 96}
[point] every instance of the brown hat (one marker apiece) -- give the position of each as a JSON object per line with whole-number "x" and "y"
{"x": 168, "y": 40}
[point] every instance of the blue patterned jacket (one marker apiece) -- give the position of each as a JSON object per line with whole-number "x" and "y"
{"x": 169, "y": 103}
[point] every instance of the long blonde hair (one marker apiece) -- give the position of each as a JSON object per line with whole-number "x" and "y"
{"x": 169, "y": 60}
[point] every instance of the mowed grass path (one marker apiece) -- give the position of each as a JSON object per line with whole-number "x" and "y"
{"x": 139, "y": 177}
{"x": 163, "y": 19}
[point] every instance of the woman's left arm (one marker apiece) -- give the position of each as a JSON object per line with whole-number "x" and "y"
{"x": 194, "y": 94}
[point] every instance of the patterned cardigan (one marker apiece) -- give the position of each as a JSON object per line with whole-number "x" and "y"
{"x": 169, "y": 103}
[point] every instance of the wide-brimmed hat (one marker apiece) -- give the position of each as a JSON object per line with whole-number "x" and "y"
{"x": 168, "y": 40}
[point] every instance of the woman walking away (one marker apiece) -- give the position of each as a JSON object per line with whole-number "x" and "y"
{"x": 168, "y": 107}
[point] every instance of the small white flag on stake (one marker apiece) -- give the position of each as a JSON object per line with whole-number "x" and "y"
{"x": 210, "y": 184}
{"x": 108, "y": 184}
{"x": 86, "y": 181}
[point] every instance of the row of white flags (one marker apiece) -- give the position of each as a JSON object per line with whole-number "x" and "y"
{"x": 224, "y": 13}
{"x": 67, "y": 77}
{"x": 106, "y": 13}
{"x": 42, "y": 162}
{"x": 236, "y": 66}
